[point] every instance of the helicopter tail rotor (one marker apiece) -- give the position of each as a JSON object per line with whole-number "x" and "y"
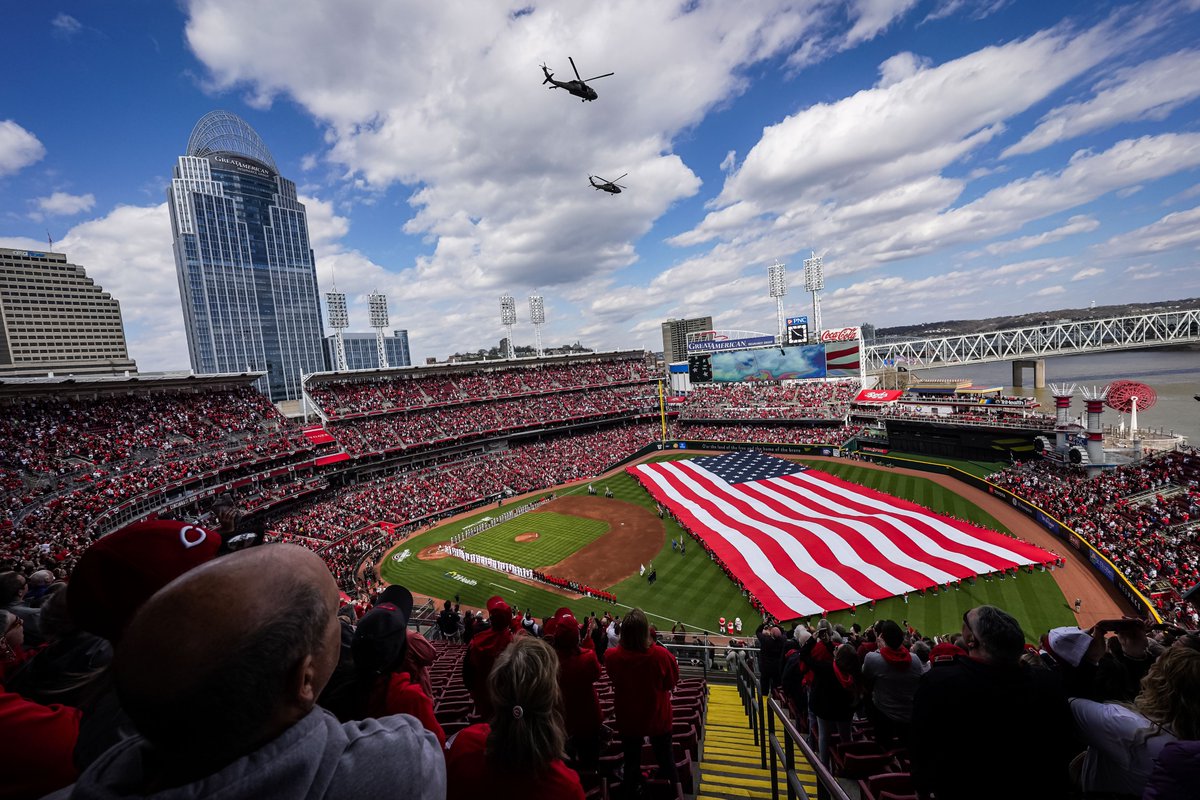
{"x": 548, "y": 73}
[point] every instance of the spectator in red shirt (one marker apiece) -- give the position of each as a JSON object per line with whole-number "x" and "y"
{"x": 519, "y": 753}
{"x": 38, "y": 742}
{"x": 379, "y": 645}
{"x": 643, "y": 674}
{"x": 578, "y": 671}
{"x": 485, "y": 648}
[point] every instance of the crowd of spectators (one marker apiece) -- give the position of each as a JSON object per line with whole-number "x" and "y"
{"x": 1109, "y": 711}
{"x": 981, "y": 415}
{"x": 408, "y": 393}
{"x": 1144, "y": 517}
{"x": 737, "y": 401}
{"x": 833, "y": 435}
{"x": 66, "y": 464}
{"x": 445, "y": 424}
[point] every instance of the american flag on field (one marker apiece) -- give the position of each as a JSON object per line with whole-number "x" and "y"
{"x": 803, "y": 541}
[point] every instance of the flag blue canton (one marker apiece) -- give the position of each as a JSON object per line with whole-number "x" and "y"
{"x": 746, "y": 465}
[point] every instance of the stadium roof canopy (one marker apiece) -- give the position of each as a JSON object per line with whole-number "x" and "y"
{"x": 468, "y": 366}
{"x": 226, "y": 132}
{"x": 79, "y": 385}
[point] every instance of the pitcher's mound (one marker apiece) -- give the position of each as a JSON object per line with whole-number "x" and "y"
{"x": 526, "y": 537}
{"x": 431, "y": 553}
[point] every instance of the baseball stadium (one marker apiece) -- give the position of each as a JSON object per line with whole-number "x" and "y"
{"x": 755, "y": 505}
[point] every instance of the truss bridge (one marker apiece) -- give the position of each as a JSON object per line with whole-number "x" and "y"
{"x": 1028, "y": 347}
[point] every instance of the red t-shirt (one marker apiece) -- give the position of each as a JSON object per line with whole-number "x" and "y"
{"x": 395, "y": 693}
{"x": 470, "y": 775}
{"x": 642, "y": 683}
{"x": 485, "y": 648}
{"x": 577, "y": 676}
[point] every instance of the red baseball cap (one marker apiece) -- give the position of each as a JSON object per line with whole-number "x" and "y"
{"x": 120, "y": 572}
{"x": 497, "y": 603}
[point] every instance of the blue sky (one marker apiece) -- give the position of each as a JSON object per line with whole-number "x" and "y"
{"x": 948, "y": 158}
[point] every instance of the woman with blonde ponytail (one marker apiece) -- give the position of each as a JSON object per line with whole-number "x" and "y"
{"x": 518, "y": 754}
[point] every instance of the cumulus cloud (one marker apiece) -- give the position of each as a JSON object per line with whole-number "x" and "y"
{"x": 900, "y": 67}
{"x": 62, "y": 204}
{"x": 18, "y": 148}
{"x": 1050, "y": 291}
{"x": 1089, "y": 272}
{"x": 872, "y": 17}
{"x": 1150, "y": 90}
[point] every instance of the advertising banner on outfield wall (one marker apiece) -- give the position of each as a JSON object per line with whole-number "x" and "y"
{"x": 770, "y": 364}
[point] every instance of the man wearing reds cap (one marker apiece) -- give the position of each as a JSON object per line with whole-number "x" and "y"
{"x": 225, "y": 703}
{"x": 112, "y": 580}
{"x": 485, "y": 648}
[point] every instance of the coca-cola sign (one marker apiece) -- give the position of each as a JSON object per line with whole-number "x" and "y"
{"x": 841, "y": 335}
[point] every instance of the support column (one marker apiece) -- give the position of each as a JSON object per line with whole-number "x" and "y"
{"x": 1039, "y": 372}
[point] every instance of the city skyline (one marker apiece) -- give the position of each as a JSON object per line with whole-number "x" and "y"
{"x": 949, "y": 159}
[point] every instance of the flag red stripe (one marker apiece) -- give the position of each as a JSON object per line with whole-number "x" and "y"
{"x": 817, "y": 551}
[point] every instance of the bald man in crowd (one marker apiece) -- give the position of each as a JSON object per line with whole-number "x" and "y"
{"x": 220, "y": 672}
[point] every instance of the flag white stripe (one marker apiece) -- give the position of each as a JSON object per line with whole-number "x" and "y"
{"x": 799, "y": 555}
{"x": 762, "y": 566}
{"x": 878, "y": 539}
{"x": 891, "y": 512}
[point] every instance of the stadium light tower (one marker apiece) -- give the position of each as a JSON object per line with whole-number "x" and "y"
{"x": 814, "y": 281}
{"x": 339, "y": 320}
{"x": 537, "y": 315}
{"x": 508, "y": 318}
{"x": 777, "y": 282}
{"x": 377, "y": 304}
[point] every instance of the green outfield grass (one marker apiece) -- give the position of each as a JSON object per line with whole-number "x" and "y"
{"x": 691, "y": 588}
{"x": 559, "y": 535}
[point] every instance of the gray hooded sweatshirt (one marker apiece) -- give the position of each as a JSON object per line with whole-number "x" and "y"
{"x": 318, "y": 757}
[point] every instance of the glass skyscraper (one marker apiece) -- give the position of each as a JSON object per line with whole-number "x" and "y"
{"x": 247, "y": 276}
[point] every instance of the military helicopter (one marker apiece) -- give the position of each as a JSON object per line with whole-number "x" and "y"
{"x": 612, "y": 187}
{"x": 577, "y": 87}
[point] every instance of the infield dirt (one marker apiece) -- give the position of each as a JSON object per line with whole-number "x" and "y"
{"x": 634, "y": 538}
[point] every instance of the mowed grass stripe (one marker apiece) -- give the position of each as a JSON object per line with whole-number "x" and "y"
{"x": 559, "y": 535}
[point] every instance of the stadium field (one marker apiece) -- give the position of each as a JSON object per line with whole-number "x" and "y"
{"x": 693, "y": 590}
{"x": 558, "y": 536}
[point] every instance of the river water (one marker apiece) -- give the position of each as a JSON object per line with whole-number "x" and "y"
{"x": 1174, "y": 374}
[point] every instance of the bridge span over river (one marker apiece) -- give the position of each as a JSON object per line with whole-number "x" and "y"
{"x": 1029, "y": 347}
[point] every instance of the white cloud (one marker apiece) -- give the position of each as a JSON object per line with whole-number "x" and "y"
{"x": 900, "y": 67}
{"x": 1150, "y": 90}
{"x": 1050, "y": 291}
{"x": 1176, "y": 231}
{"x": 18, "y": 148}
{"x": 62, "y": 204}
{"x": 729, "y": 163}
{"x": 978, "y": 9}
{"x": 1084, "y": 274}
{"x": 872, "y": 17}
{"x": 65, "y": 26}
{"x": 1075, "y": 225}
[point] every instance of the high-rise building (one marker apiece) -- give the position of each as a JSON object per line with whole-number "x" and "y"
{"x": 247, "y": 276}
{"x": 362, "y": 350}
{"x": 54, "y": 318}
{"x": 674, "y": 335}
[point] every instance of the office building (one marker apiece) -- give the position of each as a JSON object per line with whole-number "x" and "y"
{"x": 674, "y": 336}
{"x": 247, "y": 277}
{"x": 362, "y": 351}
{"x": 55, "y": 319}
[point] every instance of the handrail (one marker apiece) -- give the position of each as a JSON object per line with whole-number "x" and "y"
{"x": 763, "y": 713}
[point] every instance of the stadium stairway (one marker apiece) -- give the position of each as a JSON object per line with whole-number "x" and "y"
{"x": 729, "y": 764}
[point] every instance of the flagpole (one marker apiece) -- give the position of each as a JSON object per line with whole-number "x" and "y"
{"x": 662, "y": 411}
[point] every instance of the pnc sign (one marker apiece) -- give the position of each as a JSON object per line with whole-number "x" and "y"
{"x": 842, "y": 335}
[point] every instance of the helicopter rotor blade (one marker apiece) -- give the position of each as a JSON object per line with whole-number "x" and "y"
{"x": 598, "y": 77}
{"x": 574, "y": 68}
{"x": 621, "y": 176}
